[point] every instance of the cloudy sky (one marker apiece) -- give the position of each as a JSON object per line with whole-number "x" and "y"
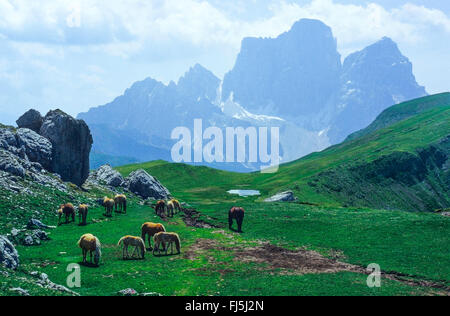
{"x": 75, "y": 54}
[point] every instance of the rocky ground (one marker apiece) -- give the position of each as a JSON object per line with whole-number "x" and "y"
{"x": 43, "y": 163}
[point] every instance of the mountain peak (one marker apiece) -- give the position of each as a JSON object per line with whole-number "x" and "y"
{"x": 305, "y": 25}
{"x": 199, "y": 82}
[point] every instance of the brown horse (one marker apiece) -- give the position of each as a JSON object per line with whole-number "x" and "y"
{"x": 68, "y": 210}
{"x": 236, "y": 213}
{"x": 120, "y": 203}
{"x": 160, "y": 208}
{"x": 151, "y": 229}
{"x": 109, "y": 205}
{"x": 82, "y": 214}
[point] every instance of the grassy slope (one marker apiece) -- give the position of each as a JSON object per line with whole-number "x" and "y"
{"x": 402, "y": 111}
{"x": 406, "y": 136}
{"x": 416, "y": 244}
{"x": 361, "y": 239}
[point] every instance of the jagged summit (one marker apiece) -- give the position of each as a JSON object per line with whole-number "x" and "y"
{"x": 291, "y": 75}
{"x": 296, "y": 81}
{"x": 199, "y": 82}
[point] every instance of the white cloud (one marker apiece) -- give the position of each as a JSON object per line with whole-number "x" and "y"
{"x": 46, "y": 48}
{"x": 124, "y": 27}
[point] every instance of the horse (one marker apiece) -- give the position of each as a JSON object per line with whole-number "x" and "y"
{"x": 151, "y": 229}
{"x": 120, "y": 202}
{"x": 160, "y": 207}
{"x": 90, "y": 243}
{"x": 82, "y": 214}
{"x": 137, "y": 242}
{"x": 177, "y": 205}
{"x": 68, "y": 210}
{"x": 109, "y": 205}
{"x": 236, "y": 213}
{"x": 170, "y": 239}
{"x": 170, "y": 208}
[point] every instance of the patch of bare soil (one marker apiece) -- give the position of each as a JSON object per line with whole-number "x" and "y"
{"x": 191, "y": 219}
{"x": 303, "y": 262}
{"x": 299, "y": 262}
{"x": 201, "y": 247}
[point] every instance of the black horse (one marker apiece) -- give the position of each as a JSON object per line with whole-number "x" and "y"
{"x": 236, "y": 213}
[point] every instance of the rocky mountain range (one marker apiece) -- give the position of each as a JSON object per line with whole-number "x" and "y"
{"x": 296, "y": 82}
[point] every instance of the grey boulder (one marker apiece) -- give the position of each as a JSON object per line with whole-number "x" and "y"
{"x": 9, "y": 256}
{"x": 37, "y": 148}
{"x": 32, "y": 119}
{"x": 11, "y": 164}
{"x": 146, "y": 186}
{"x": 106, "y": 174}
{"x": 287, "y": 196}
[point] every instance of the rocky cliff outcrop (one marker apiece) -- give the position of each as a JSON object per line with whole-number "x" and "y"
{"x": 32, "y": 119}
{"x": 72, "y": 142}
{"x": 62, "y": 147}
{"x": 146, "y": 186}
{"x": 106, "y": 175}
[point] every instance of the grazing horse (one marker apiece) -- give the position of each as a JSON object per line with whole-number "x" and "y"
{"x": 120, "y": 202}
{"x": 170, "y": 208}
{"x": 236, "y": 213}
{"x": 90, "y": 243}
{"x": 137, "y": 242}
{"x": 160, "y": 208}
{"x": 109, "y": 205}
{"x": 82, "y": 214}
{"x": 151, "y": 229}
{"x": 176, "y": 205}
{"x": 167, "y": 240}
{"x": 68, "y": 210}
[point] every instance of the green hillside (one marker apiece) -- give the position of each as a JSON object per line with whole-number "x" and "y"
{"x": 402, "y": 166}
{"x": 402, "y": 111}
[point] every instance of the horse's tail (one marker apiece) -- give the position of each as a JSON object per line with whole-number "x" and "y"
{"x": 98, "y": 251}
{"x": 142, "y": 242}
{"x": 125, "y": 204}
{"x": 178, "y": 243}
{"x": 121, "y": 240}
{"x": 163, "y": 228}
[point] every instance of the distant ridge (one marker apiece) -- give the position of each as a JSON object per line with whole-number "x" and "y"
{"x": 402, "y": 111}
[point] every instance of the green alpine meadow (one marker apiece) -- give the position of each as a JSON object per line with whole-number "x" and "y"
{"x": 224, "y": 156}
{"x": 380, "y": 198}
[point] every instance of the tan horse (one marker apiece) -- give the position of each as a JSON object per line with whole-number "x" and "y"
{"x": 90, "y": 243}
{"x": 82, "y": 214}
{"x": 109, "y": 206}
{"x": 177, "y": 205}
{"x": 151, "y": 229}
{"x": 160, "y": 208}
{"x": 68, "y": 210}
{"x": 120, "y": 203}
{"x": 136, "y": 242}
{"x": 170, "y": 208}
{"x": 167, "y": 240}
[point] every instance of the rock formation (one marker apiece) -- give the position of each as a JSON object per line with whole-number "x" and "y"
{"x": 32, "y": 119}
{"x": 72, "y": 142}
{"x": 146, "y": 186}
